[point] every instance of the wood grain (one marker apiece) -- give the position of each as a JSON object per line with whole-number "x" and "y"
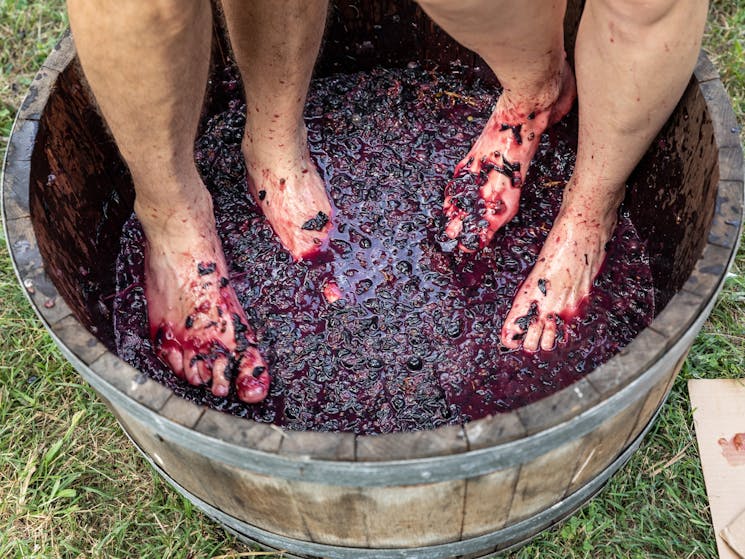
{"x": 446, "y": 440}
{"x": 488, "y": 501}
{"x": 236, "y": 430}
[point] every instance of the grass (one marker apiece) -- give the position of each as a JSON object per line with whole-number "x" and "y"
{"x": 71, "y": 485}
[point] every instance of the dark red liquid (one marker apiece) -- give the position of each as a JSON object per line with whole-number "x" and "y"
{"x": 414, "y": 341}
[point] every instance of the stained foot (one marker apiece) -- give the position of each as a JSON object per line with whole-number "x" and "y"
{"x": 561, "y": 279}
{"x": 287, "y": 187}
{"x": 485, "y": 192}
{"x": 197, "y": 325}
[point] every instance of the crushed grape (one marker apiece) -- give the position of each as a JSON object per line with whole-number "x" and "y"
{"x": 392, "y": 328}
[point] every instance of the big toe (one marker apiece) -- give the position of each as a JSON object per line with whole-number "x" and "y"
{"x": 252, "y": 383}
{"x": 515, "y": 328}
{"x": 454, "y": 227}
{"x": 174, "y": 358}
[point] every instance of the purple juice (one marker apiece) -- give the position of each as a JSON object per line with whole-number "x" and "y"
{"x": 413, "y": 340}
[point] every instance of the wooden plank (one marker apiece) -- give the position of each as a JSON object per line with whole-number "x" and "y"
{"x": 78, "y": 199}
{"x": 446, "y": 440}
{"x": 333, "y": 515}
{"x": 634, "y": 359}
{"x": 705, "y": 70}
{"x": 726, "y": 224}
{"x": 603, "y": 445}
{"x": 488, "y": 501}
{"x": 319, "y": 446}
{"x": 165, "y": 455}
{"x": 78, "y": 340}
{"x": 654, "y": 399}
{"x": 671, "y": 217}
{"x": 34, "y": 278}
{"x": 182, "y": 411}
{"x": 21, "y": 143}
{"x": 709, "y": 270}
{"x": 15, "y": 188}
{"x": 39, "y": 90}
{"x": 256, "y": 499}
{"x": 558, "y": 407}
{"x": 543, "y": 481}
{"x": 62, "y": 53}
{"x": 726, "y": 128}
{"x": 718, "y": 415}
{"x": 130, "y": 381}
{"x": 678, "y": 315}
{"x": 239, "y": 431}
{"x": 494, "y": 430}
{"x": 731, "y": 166}
{"x": 413, "y": 516}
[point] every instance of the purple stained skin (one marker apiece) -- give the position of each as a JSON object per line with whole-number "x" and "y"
{"x": 413, "y": 341}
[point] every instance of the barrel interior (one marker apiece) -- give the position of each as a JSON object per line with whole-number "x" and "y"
{"x": 82, "y": 193}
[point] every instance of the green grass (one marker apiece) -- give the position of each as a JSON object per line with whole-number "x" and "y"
{"x": 71, "y": 485}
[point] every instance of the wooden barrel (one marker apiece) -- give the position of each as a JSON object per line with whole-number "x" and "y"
{"x": 464, "y": 490}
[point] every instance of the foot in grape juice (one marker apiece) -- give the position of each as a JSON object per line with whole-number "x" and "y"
{"x": 197, "y": 325}
{"x": 287, "y": 187}
{"x": 485, "y": 191}
{"x": 553, "y": 292}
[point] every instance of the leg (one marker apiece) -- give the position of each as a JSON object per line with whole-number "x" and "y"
{"x": 523, "y": 42}
{"x": 634, "y": 60}
{"x": 147, "y": 63}
{"x": 276, "y": 45}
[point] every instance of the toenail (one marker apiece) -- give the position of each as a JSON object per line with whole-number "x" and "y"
{"x": 256, "y": 373}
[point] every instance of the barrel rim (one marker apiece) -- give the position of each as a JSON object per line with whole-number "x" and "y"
{"x": 94, "y": 361}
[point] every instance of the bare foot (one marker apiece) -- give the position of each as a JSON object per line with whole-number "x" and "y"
{"x": 197, "y": 325}
{"x": 287, "y": 187}
{"x": 562, "y": 277}
{"x": 485, "y": 192}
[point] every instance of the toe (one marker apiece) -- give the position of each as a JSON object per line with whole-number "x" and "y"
{"x": 220, "y": 382}
{"x": 253, "y": 379}
{"x": 205, "y": 374}
{"x": 454, "y": 227}
{"x": 191, "y": 368}
{"x": 533, "y": 337}
{"x": 548, "y": 339}
{"x": 175, "y": 360}
{"x": 512, "y": 336}
{"x": 512, "y": 332}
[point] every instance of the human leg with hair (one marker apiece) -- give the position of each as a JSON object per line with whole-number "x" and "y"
{"x": 633, "y": 62}
{"x": 147, "y": 63}
{"x": 276, "y": 45}
{"x": 523, "y": 43}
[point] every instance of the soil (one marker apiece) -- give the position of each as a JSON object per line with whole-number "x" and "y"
{"x": 391, "y": 328}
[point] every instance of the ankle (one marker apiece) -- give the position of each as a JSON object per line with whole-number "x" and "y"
{"x": 591, "y": 208}
{"x": 187, "y": 212}
{"x": 277, "y": 141}
{"x": 517, "y": 105}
